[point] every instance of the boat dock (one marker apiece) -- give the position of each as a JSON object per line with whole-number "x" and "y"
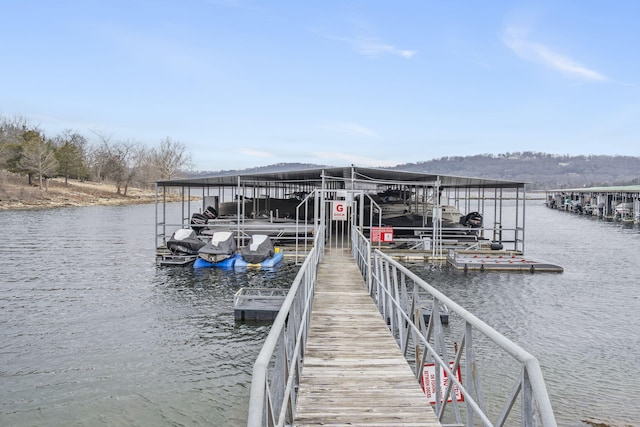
{"x": 505, "y": 261}
{"x": 615, "y": 203}
{"x": 435, "y": 210}
{"x": 354, "y": 372}
{"x": 165, "y": 258}
{"x": 349, "y": 344}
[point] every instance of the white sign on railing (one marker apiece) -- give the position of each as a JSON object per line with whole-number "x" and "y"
{"x": 429, "y": 383}
{"x": 339, "y": 210}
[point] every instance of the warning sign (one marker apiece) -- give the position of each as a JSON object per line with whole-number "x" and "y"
{"x": 382, "y": 234}
{"x": 429, "y": 383}
{"x": 339, "y": 210}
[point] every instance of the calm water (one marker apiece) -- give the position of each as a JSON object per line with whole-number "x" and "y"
{"x": 583, "y": 325}
{"x": 93, "y": 333}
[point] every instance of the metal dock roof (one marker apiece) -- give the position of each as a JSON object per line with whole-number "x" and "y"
{"x": 308, "y": 176}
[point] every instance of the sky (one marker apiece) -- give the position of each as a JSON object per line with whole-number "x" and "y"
{"x": 248, "y": 83}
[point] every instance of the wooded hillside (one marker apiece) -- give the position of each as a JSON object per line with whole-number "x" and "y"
{"x": 541, "y": 170}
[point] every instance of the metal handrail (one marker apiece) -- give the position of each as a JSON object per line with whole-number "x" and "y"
{"x": 313, "y": 195}
{"x": 276, "y": 372}
{"x": 398, "y": 293}
{"x": 361, "y": 249}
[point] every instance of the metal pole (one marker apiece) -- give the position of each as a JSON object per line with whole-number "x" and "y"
{"x": 238, "y": 198}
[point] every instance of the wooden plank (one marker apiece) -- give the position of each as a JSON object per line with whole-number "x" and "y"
{"x": 354, "y": 372}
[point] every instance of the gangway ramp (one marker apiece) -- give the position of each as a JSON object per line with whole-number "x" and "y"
{"x": 353, "y": 372}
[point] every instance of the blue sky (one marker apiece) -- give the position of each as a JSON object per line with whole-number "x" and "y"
{"x": 244, "y": 83}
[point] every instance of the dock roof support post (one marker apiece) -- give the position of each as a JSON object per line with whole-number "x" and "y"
{"x": 156, "y": 217}
{"x": 322, "y": 201}
{"x": 437, "y": 221}
{"x": 356, "y": 219}
{"x": 524, "y": 202}
{"x": 238, "y": 201}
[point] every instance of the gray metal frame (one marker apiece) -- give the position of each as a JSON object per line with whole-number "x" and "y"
{"x": 276, "y": 372}
{"x": 399, "y": 294}
{"x": 464, "y": 192}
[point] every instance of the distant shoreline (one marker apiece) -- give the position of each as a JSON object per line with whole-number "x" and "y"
{"x": 17, "y": 194}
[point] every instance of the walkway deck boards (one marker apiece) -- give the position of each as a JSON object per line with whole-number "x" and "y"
{"x": 354, "y": 373}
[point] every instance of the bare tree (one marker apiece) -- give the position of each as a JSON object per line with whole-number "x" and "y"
{"x": 37, "y": 156}
{"x": 98, "y": 155}
{"x": 134, "y": 164}
{"x": 119, "y": 161}
{"x": 169, "y": 159}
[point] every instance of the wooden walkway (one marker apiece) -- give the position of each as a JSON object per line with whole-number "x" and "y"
{"x": 354, "y": 373}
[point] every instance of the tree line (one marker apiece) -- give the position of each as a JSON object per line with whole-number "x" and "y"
{"x": 26, "y": 150}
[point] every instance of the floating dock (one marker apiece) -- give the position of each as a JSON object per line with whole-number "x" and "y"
{"x": 354, "y": 373}
{"x": 165, "y": 257}
{"x": 258, "y": 304}
{"x": 491, "y": 261}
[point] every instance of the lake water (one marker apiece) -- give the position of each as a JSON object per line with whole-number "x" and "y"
{"x": 583, "y": 325}
{"x": 93, "y": 333}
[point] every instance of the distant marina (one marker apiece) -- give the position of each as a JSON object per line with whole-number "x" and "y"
{"x": 616, "y": 203}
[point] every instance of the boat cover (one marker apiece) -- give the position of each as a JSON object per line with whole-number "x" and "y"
{"x": 268, "y": 263}
{"x": 259, "y": 248}
{"x": 222, "y": 243}
{"x": 184, "y": 242}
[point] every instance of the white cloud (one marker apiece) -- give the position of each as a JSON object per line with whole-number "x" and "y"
{"x": 352, "y": 129}
{"x": 372, "y": 47}
{"x": 516, "y": 39}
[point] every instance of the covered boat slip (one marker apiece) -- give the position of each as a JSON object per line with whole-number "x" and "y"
{"x": 620, "y": 203}
{"x": 426, "y": 214}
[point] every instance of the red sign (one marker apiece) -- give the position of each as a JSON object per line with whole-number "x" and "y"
{"x": 429, "y": 383}
{"x": 382, "y": 234}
